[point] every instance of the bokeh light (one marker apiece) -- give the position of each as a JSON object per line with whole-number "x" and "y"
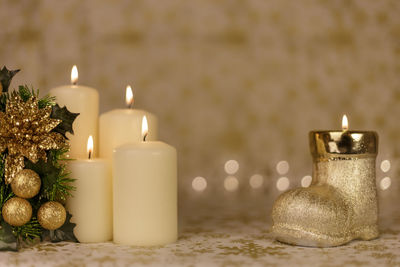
{"x": 231, "y": 183}
{"x": 385, "y": 165}
{"x": 385, "y": 183}
{"x": 256, "y": 181}
{"x": 282, "y": 184}
{"x": 282, "y": 167}
{"x": 231, "y": 166}
{"x": 306, "y": 181}
{"x": 199, "y": 184}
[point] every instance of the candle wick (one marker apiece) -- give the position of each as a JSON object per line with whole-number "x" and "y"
{"x": 144, "y": 137}
{"x": 90, "y": 154}
{"x": 130, "y": 106}
{"x": 74, "y": 83}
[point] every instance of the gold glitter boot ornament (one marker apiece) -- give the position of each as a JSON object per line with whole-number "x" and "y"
{"x": 341, "y": 203}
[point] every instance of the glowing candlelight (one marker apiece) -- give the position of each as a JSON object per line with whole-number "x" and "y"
{"x": 90, "y": 147}
{"x": 145, "y": 128}
{"x": 345, "y": 123}
{"x": 129, "y": 97}
{"x": 74, "y": 75}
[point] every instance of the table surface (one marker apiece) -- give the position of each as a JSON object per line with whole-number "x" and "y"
{"x": 204, "y": 240}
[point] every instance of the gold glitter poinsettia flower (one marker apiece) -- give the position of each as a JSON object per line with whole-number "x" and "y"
{"x": 25, "y": 130}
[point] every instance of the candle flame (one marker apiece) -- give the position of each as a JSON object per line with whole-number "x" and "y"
{"x": 345, "y": 123}
{"x": 129, "y": 96}
{"x": 145, "y": 128}
{"x": 74, "y": 75}
{"x": 90, "y": 146}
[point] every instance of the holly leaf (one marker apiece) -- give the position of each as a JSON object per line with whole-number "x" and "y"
{"x": 67, "y": 118}
{"x": 8, "y": 242}
{"x": 6, "y": 77}
{"x": 64, "y": 233}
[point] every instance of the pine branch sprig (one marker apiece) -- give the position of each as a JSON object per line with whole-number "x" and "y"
{"x": 62, "y": 188}
{"x": 29, "y": 231}
{"x": 63, "y": 185}
{"x": 26, "y": 93}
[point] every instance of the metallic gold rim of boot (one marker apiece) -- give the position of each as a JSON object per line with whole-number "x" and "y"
{"x": 301, "y": 237}
{"x": 326, "y": 144}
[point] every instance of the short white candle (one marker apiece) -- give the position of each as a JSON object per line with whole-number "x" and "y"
{"x": 85, "y": 101}
{"x": 121, "y": 126}
{"x": 91, "y": 203}
{"x": 145, "y": 193}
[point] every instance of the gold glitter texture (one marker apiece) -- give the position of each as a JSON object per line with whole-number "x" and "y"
{"x": 25, "y": 130}
{"x": 17, "y": 211}
{"x": 341, "y": 203}
{"x": 26, "y": 184}
{"x": 52, "y": 215}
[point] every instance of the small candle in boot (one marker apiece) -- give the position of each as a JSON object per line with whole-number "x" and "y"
{"x": 341, "y": 204}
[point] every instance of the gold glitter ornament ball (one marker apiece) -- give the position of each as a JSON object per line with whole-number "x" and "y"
{"x": 26, "y": 184}
{"x": 51, "y": 215}
{"x": 17, "y": 211}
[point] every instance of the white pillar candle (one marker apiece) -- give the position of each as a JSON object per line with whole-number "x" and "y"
{"x": 91, "y": 203}
{"x": 145, "y": 194}
{"x": 85, "y": 101}
{"x": 121, "y": 126}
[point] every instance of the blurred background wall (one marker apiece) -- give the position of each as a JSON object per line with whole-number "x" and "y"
{"x": 229, "y": 80}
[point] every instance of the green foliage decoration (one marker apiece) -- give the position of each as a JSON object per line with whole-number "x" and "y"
{"x": 56, "y": 181}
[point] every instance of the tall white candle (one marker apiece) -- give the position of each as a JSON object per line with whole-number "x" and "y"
{"x": 145, "y": 193}
{"x": 83, "y": 100}
{"x": 91, "y": 203}
{"x": 122, "y": 126}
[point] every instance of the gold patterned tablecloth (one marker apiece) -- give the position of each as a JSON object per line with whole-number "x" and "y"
{"x": 211, "y": 241}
